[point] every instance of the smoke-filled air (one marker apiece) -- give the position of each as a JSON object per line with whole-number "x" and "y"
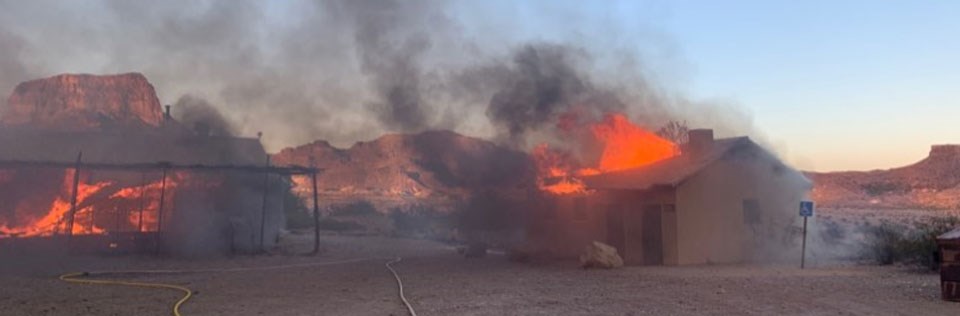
{"x": 465, "y": 157}
{"x": 348, "y": 71}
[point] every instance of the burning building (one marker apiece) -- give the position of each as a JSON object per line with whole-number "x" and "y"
{"x": 95, "y": 158}
{"x": 717, "y": 201}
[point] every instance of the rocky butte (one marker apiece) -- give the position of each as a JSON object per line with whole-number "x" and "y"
{"x": 116, "y": 122}
{"x": 932, "y": 183}
{"x": 83, "y": 102}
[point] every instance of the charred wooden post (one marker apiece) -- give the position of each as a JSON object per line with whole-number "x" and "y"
{"x": 316, "y": 215}
{"x": 73, "y": 195}
{"x": 143, "y": 196}
{"x": 163, "y": 191}
{"x": 263, "y": 206}
{"x": 116, "y": 230}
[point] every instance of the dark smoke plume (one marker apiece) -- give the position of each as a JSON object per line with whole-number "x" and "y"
{"x": 346, "y": 71}
{"x": 200, "y": 115}
{"x": 389, "y": 50}
{"x": 543, "y": 82}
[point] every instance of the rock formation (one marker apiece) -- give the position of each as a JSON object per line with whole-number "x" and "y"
{"x": 932, "y": 183}
{"x": 83, "y": 102}
{"x": 438, "y": 168}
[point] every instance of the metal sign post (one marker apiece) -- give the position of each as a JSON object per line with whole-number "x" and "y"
{"x": 806, "y": 210}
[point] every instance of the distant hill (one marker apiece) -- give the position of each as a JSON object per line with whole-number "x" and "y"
{"x": 932, "y": 183}
{"x": 435, "y": 168}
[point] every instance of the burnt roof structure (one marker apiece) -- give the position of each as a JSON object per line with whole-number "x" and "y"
{"x": 129, "y": 147}
{"x": 140, "y": 150}
{"x": 673, "y": 171}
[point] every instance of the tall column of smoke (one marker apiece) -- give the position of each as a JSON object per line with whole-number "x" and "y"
{"x": 352, "y": 70}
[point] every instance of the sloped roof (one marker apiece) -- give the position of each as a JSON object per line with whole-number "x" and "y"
{"x": 668, "y": 172}
{"x": 950, "y": 235}
{"x": 141, "y": 146}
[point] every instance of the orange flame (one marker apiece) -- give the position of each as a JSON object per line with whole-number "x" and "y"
{"x": 103, "y": 199}
{"x": 54, "y": 220}
{"x": 143, "y": 202}
{"x": 622, "y": 145}
{"x": 628, "y": 146}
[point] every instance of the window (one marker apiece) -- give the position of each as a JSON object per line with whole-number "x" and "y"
{"x": 669, "y": 208}
{"x": 778, "y": 168}
{"x": 751, "y": 211}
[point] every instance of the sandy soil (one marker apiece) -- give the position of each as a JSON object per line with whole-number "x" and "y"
{"x": 438, "y": 282}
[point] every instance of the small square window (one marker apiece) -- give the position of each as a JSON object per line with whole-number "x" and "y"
{"x": 669, "y": 208}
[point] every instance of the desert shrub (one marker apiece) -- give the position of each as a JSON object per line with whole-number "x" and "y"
{"x": 338, "y": 225}
{"x": 880, "y": 188}
{"x": 413, "y": 220}
{"x": 358, "y": 208}
{"x": 923, "y": 244}
{"x": 832, "y": 232}
{"x": 299, "y": 219}
{"x": 885, "y": 242}
{"x": 890, "y": 243}
{"x": 298, "y": 216}
{"x": 420, "y": 221}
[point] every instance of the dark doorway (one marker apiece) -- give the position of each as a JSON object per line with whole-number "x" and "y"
{"x": 652, "y": 235}
{"x": 615, "y": 234}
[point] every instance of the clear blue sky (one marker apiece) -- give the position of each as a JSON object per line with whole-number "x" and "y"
{"x": 839, "y": 84}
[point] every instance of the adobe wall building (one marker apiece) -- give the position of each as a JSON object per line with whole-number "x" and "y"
{"x": 720, "y": 201}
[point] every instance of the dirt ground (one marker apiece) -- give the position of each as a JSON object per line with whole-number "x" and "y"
{"x": 439, "y": 282}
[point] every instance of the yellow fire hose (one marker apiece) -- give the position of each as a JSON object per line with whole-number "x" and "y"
{"x": 76, "y": 277}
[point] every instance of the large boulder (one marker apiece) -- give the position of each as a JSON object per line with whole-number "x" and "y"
{"x": 600, "y": 255}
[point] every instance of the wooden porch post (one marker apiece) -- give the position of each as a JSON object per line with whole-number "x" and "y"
{"x": 73, "y": 195}
{"x": 163, "y": 191}
{"x": 263, "y": 207}
{"x": 316, "y": 215}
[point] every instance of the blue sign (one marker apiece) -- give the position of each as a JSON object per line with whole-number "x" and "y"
{"x": 806, "y": 208}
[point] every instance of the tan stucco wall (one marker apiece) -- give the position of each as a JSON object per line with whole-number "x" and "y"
{"x": 707, "y": 225}
{"x": 633, "y": 204}
{"x": 709, "y": 216}
{"x": 564, "y": 232}
{"x": 710, "y": 223}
